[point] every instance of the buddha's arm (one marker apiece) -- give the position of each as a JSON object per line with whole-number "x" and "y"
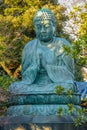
{"x": 29, "y": 65}
{"x": 62, "y": 72}
{"x": 29, "y": 74}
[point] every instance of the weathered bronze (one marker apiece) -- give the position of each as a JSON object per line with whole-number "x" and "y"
{"x": 45, "y": 65}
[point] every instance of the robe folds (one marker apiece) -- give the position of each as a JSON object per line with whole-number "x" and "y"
{"x": 45, "y": 67}
{"x": 62, "y": 71}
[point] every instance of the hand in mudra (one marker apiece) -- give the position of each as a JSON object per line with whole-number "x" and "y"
{"x": 47, "y": 57}
{"x": 42, "y": 61}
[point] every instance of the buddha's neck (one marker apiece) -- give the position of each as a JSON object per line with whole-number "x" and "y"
{"x": 47, "y": 43}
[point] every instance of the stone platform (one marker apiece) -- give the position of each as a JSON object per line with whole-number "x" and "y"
{"x": 51, "y": 98}
{"x": 39, "y": 123}
{"x": 42, "y": 104}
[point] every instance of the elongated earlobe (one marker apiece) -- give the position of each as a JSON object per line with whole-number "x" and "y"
{"x": 54, "y": 31}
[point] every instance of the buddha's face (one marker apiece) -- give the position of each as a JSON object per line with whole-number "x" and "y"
{"x": 44, "y": 30}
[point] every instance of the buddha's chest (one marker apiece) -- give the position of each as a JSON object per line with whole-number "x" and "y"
{"x": 50, "y": 54}
{"x": 46, "y": 54}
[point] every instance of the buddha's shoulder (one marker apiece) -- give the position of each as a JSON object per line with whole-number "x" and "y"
{"x": 30, "y": 44}
{"x": 62, "y": 41}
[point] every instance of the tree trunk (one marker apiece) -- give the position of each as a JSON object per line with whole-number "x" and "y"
{"x": 8, "y": 71}
{"x": 15, "y": 75}
{"x": 5, "y": 68}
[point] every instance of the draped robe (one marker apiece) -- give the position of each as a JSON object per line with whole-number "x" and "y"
{"x": 45, "y": 67}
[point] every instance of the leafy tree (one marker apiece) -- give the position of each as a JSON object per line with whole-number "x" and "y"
{"x": 79, "y": 51}
{"x": 79, "y": 45}
{"x": 16, "y": 25}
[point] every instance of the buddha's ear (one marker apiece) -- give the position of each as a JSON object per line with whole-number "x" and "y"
{"x": 54, "y": 30}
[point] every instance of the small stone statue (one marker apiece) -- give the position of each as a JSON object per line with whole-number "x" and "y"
{"x": 45, "y": 63}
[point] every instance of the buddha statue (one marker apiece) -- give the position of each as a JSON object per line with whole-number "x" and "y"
{"x": 45, "y": 63}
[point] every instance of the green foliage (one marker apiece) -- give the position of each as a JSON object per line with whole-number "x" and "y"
{"x": 5, "y": 81}
{"x": 76, "y": 51}
{"x": 79, "y": 50}
{"x": 70, "y": 93}
{"x": 81, "y": 117}
{"x": 59, "y": 90}
{"x": 79, "y": 15}
{"x": 60, "y": 111}
{"x": 67, "y": 49}
{"x": 79, "y": 47}
{"x": 70, "y": 108}
{"x": 81, "y": 113}
{"x": 78, "y": 73}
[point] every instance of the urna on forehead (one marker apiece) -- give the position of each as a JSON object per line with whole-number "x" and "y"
{"x": 44, "y": 14}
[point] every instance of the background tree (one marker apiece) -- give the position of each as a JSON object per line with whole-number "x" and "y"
{"x": 79, "y": 15}
{"x": 79, "y": 46}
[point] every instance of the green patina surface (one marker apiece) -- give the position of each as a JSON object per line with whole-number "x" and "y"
{"x": 45, "y": 65}
{"x": 44, "y": 99}
{"x": 46, "y": 109}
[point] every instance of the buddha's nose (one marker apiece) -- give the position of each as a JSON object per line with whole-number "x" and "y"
{"x": 42, "y": 30}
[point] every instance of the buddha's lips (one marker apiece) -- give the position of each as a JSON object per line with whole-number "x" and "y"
{"x": 43, "y": 35}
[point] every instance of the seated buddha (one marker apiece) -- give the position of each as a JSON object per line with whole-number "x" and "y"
{"x": 45, "y": 63}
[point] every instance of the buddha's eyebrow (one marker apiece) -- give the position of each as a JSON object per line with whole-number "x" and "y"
{"x": 42, "y": 24}
{"x": 46, "y": 24}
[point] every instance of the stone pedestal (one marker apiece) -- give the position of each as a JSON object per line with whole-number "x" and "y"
{"x": 39, "y": 123}
{"x": 42, "y": 104}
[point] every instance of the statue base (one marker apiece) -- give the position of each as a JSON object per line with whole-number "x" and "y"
{"x": 43, "y": 110}
{"x": 43, "y": 104}
{"x": 40, "y": 123}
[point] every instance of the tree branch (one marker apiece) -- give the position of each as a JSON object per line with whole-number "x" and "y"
{"x": 6, "y": 69}
{"x": 15, "y": 75}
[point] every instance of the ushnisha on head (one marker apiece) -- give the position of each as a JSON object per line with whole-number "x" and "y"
{"x": 45, "y": 25}
{"x": 44, "y": 14}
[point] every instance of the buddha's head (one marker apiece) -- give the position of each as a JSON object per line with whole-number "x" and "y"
{"x": 45, "y": 25}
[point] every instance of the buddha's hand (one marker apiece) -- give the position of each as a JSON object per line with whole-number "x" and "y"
{"x": 36, "y": 63}
{"x": 48, "y": 58}
{"x": 51, "y": 58}
{"x": 42, "y": 61}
